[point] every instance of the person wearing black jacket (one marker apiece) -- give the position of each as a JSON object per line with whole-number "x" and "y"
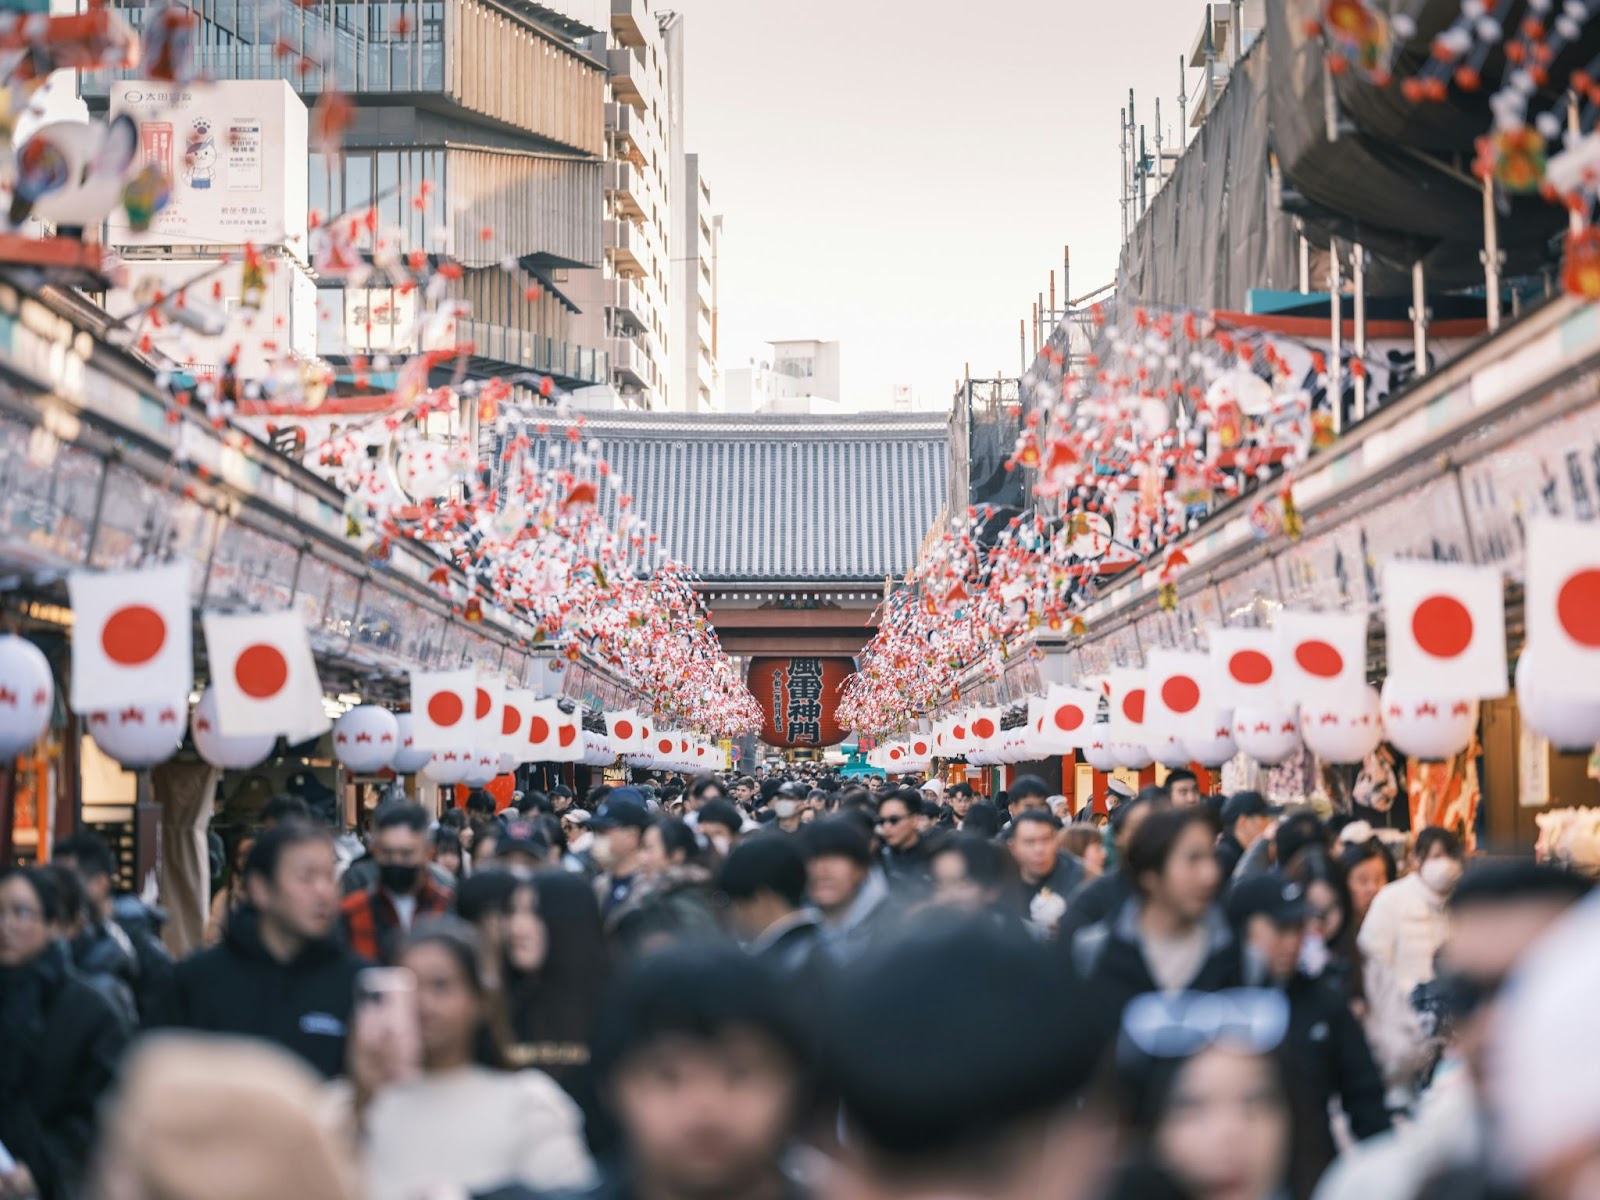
{"x": 764, "y": 880}
{"x": 1246, "y": 817}
{"x": 60, "y": 1041}
{"x": 1102, "y": 898}
{"x": 1325, "y": 1042}
{"x": 279, "y": 974}
{"x": 904, "y": 856}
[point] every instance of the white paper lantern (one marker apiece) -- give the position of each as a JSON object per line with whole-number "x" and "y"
{"x": 1135, "y": 756}
{"x": 1427, "y": 727}
{"x": 1270, "y": 736}
{"x": 1344, "y": 731}
{"x": 1217, "y": 747}
{"x": 485, "y": 766}
{"x": 1570, "y": 724}
{"x": 1098, "y": 751}
{"x": 506, "y": 764}
{"x": 408, "y": 760}
{"x": 27, "y": 694}
{"x": 140, "y": 735}
{"x": 1171, "y": 754}
{"x": 229, "y": 753}
{"x": 448, "y": 767}
{"x": 366, "y": 739}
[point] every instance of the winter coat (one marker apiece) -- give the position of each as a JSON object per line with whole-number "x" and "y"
{"x": 142, "y": 924}
{"x": 1404, "y": 929}
{"x": 1068, "y": 876}
{"x": 370, "y": 923}
{"x": 1446, "y": 1132}
{"x": 238, "y": 987}
{"x": 873, "y": 916}
{"x": 677, "y": 901}
{"x": 105, "y": 958}
{"x": 60, "y": 1041}
{"x": 1095, "y": 900}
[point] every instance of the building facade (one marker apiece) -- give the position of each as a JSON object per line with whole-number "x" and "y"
{"x": 791, "y": 379}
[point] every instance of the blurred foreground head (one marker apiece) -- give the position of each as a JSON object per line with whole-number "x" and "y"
{"x": 959, "y": 1058}
{"x": 209, "y": 1118}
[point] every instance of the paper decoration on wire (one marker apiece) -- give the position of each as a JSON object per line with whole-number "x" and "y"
{"x": 983, "y": 726}
{"x": 1128, "y": 703}
{"x": 264, "y": 673}
{"x": 1323, "y": 657}
{"x": 627, "y": 730}
{"x": 1562, "y": 605}
{"x": 1064, "y": 717}
{"x": 1245, "y": 667}
{"x": 1179, "y": 700}
{"x": 515, "y": 705}
{"x": 553, "y": 736}
{"x": 132, "y": 637}
{"x": 442, "y": 710}
{"x": 1446, "y": 629}
{"x": 488, "y": 701}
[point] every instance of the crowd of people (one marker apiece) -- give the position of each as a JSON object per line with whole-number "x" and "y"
{"x": 797, "y": 986}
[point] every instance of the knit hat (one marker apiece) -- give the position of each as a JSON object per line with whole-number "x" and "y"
{"x": 211, "y": 1118}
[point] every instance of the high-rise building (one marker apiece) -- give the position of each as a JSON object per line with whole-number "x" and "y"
{"x": 638, "y": 203}
{"x": 696, "y": 232}
{"x": 791, "y": 378}
{"x": 498, "y": 108}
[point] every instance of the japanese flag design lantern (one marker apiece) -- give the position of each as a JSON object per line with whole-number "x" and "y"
{"x": 1097, "y": 748}
{"x": 1569, "y": 723}
{"x": 236, "y": 753}
{"x": 1446, "y": 628}
{"x": 1323, "y": 657}
{"x": 442, "y": 709}
{"x": 27, "y": 694}
{"x": 132, "y": 637}
{"x": 1135, "y": 756}
{"x": 1562, "y": 607}
{"x": 1427, "y": 727}
{"x": 1216, "y": 745}
{"x": 1268, "y": 735}
{"x": 264, "y": 673}
{"x": 408, "y": 759}
{"x": 366, "y": 739}
{"x": 140, "y": 735}
{"x": 449, "y": 767}
{"x": 1244, "y": 667}
{"x": 1345, "y": 730}
{"x": 1171, "y": 753}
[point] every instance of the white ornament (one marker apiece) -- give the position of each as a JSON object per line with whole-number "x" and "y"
{"x": 229, "y": 753}
{"x": 484, "y": 767}
{"x": 408, "y": 760}
{"x": 1135, "y": 756}
{"x": 1097, "y": 752}
{"x": 366, "y": 739}
{"x": 1569, "y": 724}
{"x": 449, "y": 767}
{"x": 1268, "y": 735}
{"x": 140, "y": 735}
{"x": 1216, "y": 747}
{"x": 1346, "y": 730}
{"x": 27, "y": 694}
{"x": 1427, "y": 727}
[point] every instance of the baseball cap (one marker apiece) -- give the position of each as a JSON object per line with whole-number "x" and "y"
{"x": 1247, "y": 804}
{"x": 577, "y": 816}
{"x": 1116, "y": 787}
{"x": 1269, "y": 895}
{"x": 625, "y": 806}
{"x": 523, "y": 836}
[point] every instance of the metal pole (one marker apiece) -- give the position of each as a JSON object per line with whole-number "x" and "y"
{"x": 1144, "y": 177}
{"x": 1123, "y": 119}
{"x": 1358, "y": 257}
{"x": 1236, "y": 30}
{"x": 1211, "y": 63}
{"x": 1491, "y": 256}
{"x": 1183, "y": 103}
{"x": 1159, "y": 164}
{"x": 1336, "y": 340}
{"x": 1419, "y": 315}
{"x": 1022, "y": 346}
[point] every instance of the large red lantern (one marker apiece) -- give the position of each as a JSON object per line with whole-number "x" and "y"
{"x": 799, "y": 699}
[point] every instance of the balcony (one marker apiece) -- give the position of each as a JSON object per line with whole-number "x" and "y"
{"x": 630, "y": 368}
{"x": 624, "y": 128}
{"x": 625, "y": 245}
{"x": 519, "y": 348}
{"x": 627, "y": 306}
{"x": 629, "y": 20}
{"x": 623, "y": 183}
{"x": 627, "y": 77}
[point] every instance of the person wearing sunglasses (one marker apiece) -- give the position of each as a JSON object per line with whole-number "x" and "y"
{"x": 1207, "y": 1096}
{"x": 1324, "y": 1040}
{"x": 1170, "y": 936}
{"x": 903, "y": 854}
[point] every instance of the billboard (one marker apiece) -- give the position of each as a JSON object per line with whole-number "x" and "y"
{"x": 799, "y": 699}
{"x": 235, "y": 153}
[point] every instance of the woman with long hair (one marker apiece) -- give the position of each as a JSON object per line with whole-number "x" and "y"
{"x": 459, "y": 1117}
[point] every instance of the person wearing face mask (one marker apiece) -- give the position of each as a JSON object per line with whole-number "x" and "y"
{"x": 578, "y": 858}
{"x": 619, "y": 824}
{"x": 719, "y": 827}
{"x": 377, "y": 919}
{"x": 786, "y": 806}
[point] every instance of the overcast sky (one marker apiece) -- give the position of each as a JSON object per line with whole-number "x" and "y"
{"x": 902, "y": 174}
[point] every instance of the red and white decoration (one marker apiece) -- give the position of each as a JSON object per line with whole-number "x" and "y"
{"x": 1097, "y": 748}
{"x": 408, "y": 757}
{"x": 1125, "y": 691}
{"x": 443, "y": 705}
{"x": 1244, "y": 667}
{"x": 554, "y": 736}
{"x": 1323, "y": 656}
{"x": 598, "y": 750}
{"x": 482, "y": 768}
{"x": 487, "y": 705}
{"x": 1268, "y": 735}
{"x": 366, "y": 739}
{"x": 627, "y": 730}
{"x": 983, "y": 724}
{"x": 139, "y": 735}
{"x": 1171, "y": 753}
{"x": 1427, "y": 726}
{"x": 1446, "y": 628}
{"x": 449, "y": 767}
{"x": 1345, "y": 729}
{"x": 1214, "y": 744}
{"x": 1179, "y": 695}
{"x": 1063, "y": 719}
{"x": 237, "y": 753}
{"x": 1569, "y": 722}
{"x": 1135, "y": 756}
{"x": 27, "y": 694}
{"x": 1562, "y": 605}
{"x": 515, "y": 705}
{"x": 264, "y": 673}
{"x": 132, "y": 636}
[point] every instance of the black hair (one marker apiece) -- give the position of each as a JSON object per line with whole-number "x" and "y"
{"x": 597, "y": 795}
{"x": 1517, "y": 881}
{"x": 1353, "y": 854}
{"x": 90, "y": 852}
{"x": 447, "y": 839}
{"x": 1315, "y": 865}
{"x": 1178, "y": 776}
{"x": 1155, "y": 797}
{"x": 480, "y": 801}
{"x": 982, "y": 861}
{"x": 273, "y": 843}
{"x": 840, "y": 837}
{"x": 453, "y": 818}
{"x": 1433, "y": 836}
{"x": 1297, "y": 830}
{"x": 768, "y": 863}
{"x": 69, "y": 887}
{"x": 45, "y": 888}
{"x": 548, "y": 826}
{"x": 1029, "y": 785}
{"x": 906, "y": 796}
{"x": 721, "y": 812}
{"x": 460, "y": 941}
{"x": 563, "y": 791}
{"x": 982, "y": 820}
{"x": 285, "y": 806}
{"x": 1034, "y": 816}
{"x": 677, "y": 836}
{"x": 1154, "y": 841}
{"x": 534, "y": 802}
{"x": 484, "y": 893}
{"x": 702, "y": 783}
{"x": 397, "y": 816}
{"x": 960, "y": 789}
{"x": 696, "y": 990}
{"x": 557, "y": 1002}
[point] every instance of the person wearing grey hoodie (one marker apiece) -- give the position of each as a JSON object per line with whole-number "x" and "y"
{"x": 851, "y": 894}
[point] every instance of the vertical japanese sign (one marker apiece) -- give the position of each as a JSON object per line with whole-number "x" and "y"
{"x": 800, "y": 697}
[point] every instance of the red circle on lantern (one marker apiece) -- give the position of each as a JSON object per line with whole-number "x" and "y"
{"x": 444, "y": 709}
{"x": 509, "y": 720}
{"x": 1250, "y": 667}
{"x": 134, "y": 635}
{"x": 1318, "y": 658}
{"x": 1442, "y": 626}
{"x": 484, "y": 704}
{"x": 1180, "y": 694}
{"x": 1578, "y": 607}
{"x": 538, "y": 730}
{"x": 983, "y": 727}
{"x": 1068, "y": 717}
{"x": 624, "y": 730}
{"x": 568, "y": 735}
{"x": 261, "y": 671}
{"x": 1133, "y": 706}
{"x": 664, "y": 745}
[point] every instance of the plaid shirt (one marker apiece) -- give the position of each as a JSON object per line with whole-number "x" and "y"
{"x": 372, "y": 925}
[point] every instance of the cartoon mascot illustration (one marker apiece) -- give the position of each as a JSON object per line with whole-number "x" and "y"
{"x": 200, "y": 155}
